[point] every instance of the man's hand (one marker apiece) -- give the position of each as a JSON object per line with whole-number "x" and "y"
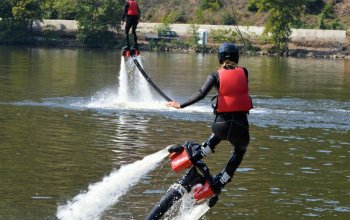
{"x": 173, "y": 104}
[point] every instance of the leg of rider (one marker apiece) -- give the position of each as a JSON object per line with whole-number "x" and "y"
{"x": 239, "y": 137}
{"x": 207, "y": 147}
{"x": 127, "y": 29}
{"x": 134, "y": 26}
{"x": 210, "y": 144}
{"x": 234, "y": 161}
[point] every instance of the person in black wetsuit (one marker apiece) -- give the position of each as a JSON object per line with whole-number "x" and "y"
{"x": 231, "y": 108}
{"x": 132, "y": 15}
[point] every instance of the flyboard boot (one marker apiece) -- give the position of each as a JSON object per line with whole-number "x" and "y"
{"x": 130, "y": 52}
{"x": 188, "y": 156}
{"x": 199, "y": 183}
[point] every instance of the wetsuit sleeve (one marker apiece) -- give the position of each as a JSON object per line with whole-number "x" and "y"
{"x": 126, "y": 7}
{"x": 202, "y": 92}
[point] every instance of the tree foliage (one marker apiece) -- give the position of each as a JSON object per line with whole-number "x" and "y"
{"x": 60, "y": 9}
{"x": 17, "y": 16}
{"x": 97, "y": 19}
{"x": 282, "y": 15}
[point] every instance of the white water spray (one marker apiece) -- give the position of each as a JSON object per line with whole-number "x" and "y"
{"x": 193, "y": 213}
{"x": 123, "y": 82}
{"x": 143, "y": 89}
{"x": 132, "y": 85}
{"x": 187, "y": 209}
{"x": 100, "y": 196}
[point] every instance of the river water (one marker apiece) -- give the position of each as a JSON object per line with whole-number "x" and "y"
{"x": 64, "y": 127}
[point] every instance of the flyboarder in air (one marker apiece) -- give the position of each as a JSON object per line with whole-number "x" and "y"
{"x": 231, "y": 108}
{"x": 132, "y": 15}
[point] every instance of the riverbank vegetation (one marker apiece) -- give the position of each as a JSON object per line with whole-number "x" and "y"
{"x": 99, "y": 21}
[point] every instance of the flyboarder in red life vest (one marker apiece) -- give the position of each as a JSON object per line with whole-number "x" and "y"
{"x": 132, "y": 15}
{"x": 230, "y": 124}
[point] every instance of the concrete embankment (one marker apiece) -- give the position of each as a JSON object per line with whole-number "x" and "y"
{"x": 181, "y": 29}
{"x": 304, "y": 42}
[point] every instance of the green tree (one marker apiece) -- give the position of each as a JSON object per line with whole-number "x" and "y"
{"x": 17, "y": 16}
{"x": 60, "y": 9}
{"x": 96, "y": 21}
{"x": 282, "y": 15}
{"x": 27, "y": 10}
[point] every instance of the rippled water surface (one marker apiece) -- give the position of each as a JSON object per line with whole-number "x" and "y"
{"x": 63, "y": 127}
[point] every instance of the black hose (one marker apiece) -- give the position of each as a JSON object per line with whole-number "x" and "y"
{"x": 150, "y": 81}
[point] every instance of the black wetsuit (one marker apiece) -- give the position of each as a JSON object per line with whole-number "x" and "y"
{"x": 131, "y": 23}
{"x": 230, "y": 126}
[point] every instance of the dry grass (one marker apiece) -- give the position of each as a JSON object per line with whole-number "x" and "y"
{"x": 185, "y": 12}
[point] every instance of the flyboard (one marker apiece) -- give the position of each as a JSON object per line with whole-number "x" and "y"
{"x": 194, "y": 184}
{"x": 133, "y": 53}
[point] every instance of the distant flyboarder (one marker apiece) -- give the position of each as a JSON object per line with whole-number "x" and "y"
{"x": 132, "y": 15}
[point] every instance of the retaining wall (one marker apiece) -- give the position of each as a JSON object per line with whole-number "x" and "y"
{"x": 181, "y": 29}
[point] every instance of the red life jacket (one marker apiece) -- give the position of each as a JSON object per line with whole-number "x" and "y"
{"x": 233, "y": 94}
{"x": 133, "y": 8}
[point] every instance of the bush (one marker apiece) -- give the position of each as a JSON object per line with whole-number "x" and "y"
{"x": 199, "y": 16}
{"x": 328, "y": 11}
{"x": 14, "y": 31}
{"x": 228, "y": 19}
{"x": 252, "y": 6}
{"x": 96, "y": 35}
{"x": 314, "y": 6}
{"x": 209, "y": 4}
{"x": 50, "y": 34}
{"x": 337, "y": 25}
{"x": 192, "y": 35}
{"x": 163, "y": 27}
{"x": 222, "y": 35}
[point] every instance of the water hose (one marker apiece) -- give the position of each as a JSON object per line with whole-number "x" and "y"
{"x": 160, "y": 92}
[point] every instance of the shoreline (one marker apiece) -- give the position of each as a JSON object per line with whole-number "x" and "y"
{"x": 297, "y": 49}
{"x": 326, "y": 44}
